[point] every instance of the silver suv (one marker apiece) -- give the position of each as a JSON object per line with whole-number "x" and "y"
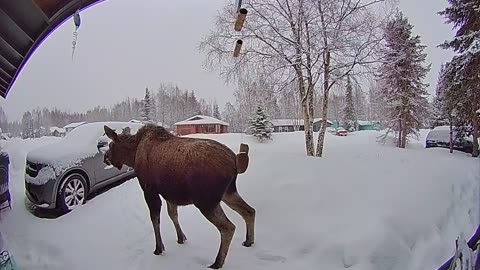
{"x": 62, "y": 174}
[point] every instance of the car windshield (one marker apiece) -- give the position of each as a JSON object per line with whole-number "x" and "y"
{"x": 91, "y": 132}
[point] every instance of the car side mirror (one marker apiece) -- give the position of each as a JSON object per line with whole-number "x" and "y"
{"x": 102, "y": 147}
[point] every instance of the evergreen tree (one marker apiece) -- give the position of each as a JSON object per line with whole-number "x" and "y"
{"x": 462, "y": 71}
{"x": 216, "y": 111}
{"x": 260, "y": 126}
{"x": 403, "y": 72}
{"x": 27, "y": 125}
{"x": 349, "y": 118}
{"x": 148, "y": 108}
{"x": 440, "y": 114}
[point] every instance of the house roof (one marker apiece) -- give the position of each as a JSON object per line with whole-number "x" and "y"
{"x": 364, "y": 123}
{"x": 24, "y": 25}
{"x": 201, "y": 120}
{"x": 58, "y": 129}
{"x": 74, "y": 125}
{"x": 293, "y": 122}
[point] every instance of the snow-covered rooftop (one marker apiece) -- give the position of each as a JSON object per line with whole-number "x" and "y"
{"x": 293, "y": 122}
{"x": 58, "y": 129}
{"x": 201, "y": 120}
{"x": 365, "y": 123}
{"x": 74, "y": 125}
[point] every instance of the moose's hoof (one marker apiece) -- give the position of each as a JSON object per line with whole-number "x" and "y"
{"x": 215, "y": 266}
{"x": 247, "y": 243}
{"x": 159, "y": 251}
{"x": 182, "y": 240}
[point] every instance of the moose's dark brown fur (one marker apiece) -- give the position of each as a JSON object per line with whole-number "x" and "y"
{"x": 185, "y": 171}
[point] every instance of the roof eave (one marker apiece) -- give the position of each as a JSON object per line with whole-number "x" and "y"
{"x": 54, "y": 22}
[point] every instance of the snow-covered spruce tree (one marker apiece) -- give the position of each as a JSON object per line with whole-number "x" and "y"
{"x": 260, "y": 126}
{"x": 216, "y": 111}
{"x": 440, "y": 115}
{"x": 457, "y": 101}
{"x": 403, "y": 72}
{"x": 464, "y": 68}
{"x": 349, "y": 118}
{"x": 148, "y": 109}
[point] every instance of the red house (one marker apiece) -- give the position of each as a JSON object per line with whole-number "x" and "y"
{"x": 201, "y": 124}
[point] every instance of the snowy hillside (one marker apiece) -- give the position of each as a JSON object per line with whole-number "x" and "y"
{"x": 363, "y": 206}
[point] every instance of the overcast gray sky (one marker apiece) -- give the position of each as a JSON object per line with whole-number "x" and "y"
{"x": 124, "y": 46}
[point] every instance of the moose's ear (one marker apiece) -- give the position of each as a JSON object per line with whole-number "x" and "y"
{"x": 126, "y": 131}
{"x": 110, "y": 133}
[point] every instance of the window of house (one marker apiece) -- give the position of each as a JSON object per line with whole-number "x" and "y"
{"x": 210, "y": 128}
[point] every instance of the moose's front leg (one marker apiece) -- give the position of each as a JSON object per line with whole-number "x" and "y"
{"x": 154, "y": 205}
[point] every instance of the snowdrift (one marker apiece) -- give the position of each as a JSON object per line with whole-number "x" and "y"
{"x": 363, "y": 206}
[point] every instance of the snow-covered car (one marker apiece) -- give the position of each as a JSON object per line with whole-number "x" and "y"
{"x": 5, "y": 197}
{"x": 341, "y": 132}
{"x": 440, "y": 137}
{"x": 62, "y": 174}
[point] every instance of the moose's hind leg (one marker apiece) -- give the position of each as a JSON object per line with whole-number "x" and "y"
{"x": 173, "y": 214}
{"x": 236, "y": 202}
{"x": 226, "y": 228}
{"x": 154, "y": 206}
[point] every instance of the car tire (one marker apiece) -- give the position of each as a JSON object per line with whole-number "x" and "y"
{"x": 72, "y": 192}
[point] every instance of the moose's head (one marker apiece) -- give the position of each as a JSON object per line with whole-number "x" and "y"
{"x": 121, "y": 150}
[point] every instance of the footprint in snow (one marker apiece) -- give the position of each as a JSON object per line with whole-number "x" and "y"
{"x": 264, "y": 256}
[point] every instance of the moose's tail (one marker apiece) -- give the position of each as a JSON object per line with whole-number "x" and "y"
{"x": 242, "y": 159}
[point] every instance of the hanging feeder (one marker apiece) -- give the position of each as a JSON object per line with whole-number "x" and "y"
{"x": 242, "y": 14}
{"x": 238, "y": 47}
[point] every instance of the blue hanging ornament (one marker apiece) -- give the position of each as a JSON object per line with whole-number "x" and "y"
{"x": 76, "y": 21}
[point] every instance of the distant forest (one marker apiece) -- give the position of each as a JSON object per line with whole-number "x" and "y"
{"x": 170, "y": 104}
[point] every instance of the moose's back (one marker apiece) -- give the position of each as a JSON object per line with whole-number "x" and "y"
{"x": 185, "y": 170}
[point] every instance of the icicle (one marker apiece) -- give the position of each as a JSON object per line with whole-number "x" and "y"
{"x": 76, "y": 21}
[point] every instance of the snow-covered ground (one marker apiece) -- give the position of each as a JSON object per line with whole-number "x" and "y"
{"x": 363, "y": 206}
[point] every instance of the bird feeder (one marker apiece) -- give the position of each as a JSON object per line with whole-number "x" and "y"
{"x": 238, "y": 47}
{"x": 241, "y": 15}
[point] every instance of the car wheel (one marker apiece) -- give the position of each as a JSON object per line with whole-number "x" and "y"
{"x": 72, "y": 193}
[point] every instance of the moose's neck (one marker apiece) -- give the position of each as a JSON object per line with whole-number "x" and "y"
{"x": 130, "y": 152}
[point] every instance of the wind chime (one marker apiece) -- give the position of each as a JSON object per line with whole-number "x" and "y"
{"x": 76, "y": 21}
{"x": 241, "y": 15}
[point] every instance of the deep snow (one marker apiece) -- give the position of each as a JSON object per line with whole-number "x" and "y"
{"x": 363, "y": 206}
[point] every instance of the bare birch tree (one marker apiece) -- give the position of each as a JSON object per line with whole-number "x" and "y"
{"x": 298, "y": 41}
{"x": 350, "y": 35}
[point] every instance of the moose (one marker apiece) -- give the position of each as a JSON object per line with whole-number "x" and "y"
{"x": 184, "y": 171}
